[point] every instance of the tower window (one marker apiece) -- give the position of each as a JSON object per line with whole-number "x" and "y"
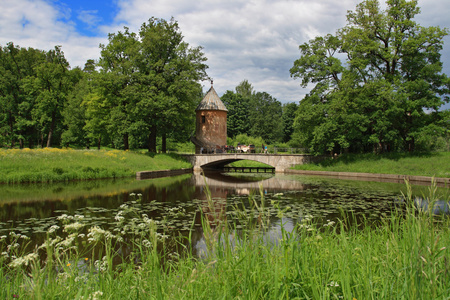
{"x": 203, "y": 119}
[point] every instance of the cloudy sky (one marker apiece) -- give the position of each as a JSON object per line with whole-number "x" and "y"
{"x": 255, "y": 40}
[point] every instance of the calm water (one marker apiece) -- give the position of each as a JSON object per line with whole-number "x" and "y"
{"x": 177, "y": 201}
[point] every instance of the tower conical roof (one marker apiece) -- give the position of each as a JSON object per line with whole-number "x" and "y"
{"x": 211, "y": 101}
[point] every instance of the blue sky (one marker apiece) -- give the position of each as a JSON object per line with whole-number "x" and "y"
{"x": 255, "y": 40}
{"x": 87, "y": 16}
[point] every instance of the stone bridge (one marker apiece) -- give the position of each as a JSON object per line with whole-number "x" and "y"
{"x": 280, "y": 162}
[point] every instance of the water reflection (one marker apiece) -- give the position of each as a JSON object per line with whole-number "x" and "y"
{"x": 177, "y": 202}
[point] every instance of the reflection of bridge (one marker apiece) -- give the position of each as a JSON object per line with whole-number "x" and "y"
{"x": 216, "y": 180}
{"x": 280, "y": 162}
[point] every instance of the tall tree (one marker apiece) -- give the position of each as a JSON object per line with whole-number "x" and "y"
{"x": 265, "y": 117}
{"x": 238, "y": 121}
{"x": 391, "y": 77}
{"x": 16, "y": 65}
{"x": 151, "y": 80}
{"x": 51, "y": 87}
{"x": 118, "y": 67}
{"x": 74, "y": 112}
{"x": 289, "y": 110}
{"x": 245, "y": 89}
{"x": 171, "y": 70}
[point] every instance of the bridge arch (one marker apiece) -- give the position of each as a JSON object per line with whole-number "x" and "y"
{"x": 280, "y": 162}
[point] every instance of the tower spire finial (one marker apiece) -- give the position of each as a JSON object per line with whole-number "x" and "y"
{"x": 212, "y": 82}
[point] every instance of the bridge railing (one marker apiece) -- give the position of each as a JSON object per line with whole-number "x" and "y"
{"x": 289, "y": 150}
{"x": 270, "y": 150}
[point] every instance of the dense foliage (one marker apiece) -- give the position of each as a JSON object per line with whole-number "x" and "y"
{"x": 146, "y": 88}
{"x": 377, "y": 83}
{"x": 258, "y": 114}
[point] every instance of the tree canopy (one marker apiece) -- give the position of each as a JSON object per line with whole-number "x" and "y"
{"x": 377, "y": 84}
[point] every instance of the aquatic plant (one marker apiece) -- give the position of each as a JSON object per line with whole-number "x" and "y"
{"x": 406, "y": 256}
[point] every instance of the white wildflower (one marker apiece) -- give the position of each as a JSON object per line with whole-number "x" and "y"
{"x": 119, "y": 218}
{"x": 23, "y": 261}
{"x": 146, "y": 243}
{"x": 96, "y": 295}
{"x": 12, "y": 246}
{"x": 53, "y": 228}
{"x": 333, "y": 284}
{"x": 73, "y": 227}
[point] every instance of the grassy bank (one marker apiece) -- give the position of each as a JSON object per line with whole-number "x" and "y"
{"x": 406, "y": 257}
{"x": 53, "y": 164}
{"x": 429, "y": 164}
{"x": 248, "y": 163}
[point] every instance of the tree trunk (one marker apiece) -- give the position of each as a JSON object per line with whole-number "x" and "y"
{"x": 152, "y": 140}
{"x": 87, "y": 144}
{"x": 52, "y": 128}
{"x": 11, "y": 128}
{"x": 164, "y": 143}
{"x": 126, "y": 146}
{"x": 99, "y": 142}
{"x": 411, "y": 145}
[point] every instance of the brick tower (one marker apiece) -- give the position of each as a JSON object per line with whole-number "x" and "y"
{"x": 211, "y": 123}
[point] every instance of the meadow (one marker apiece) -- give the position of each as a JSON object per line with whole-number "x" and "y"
{"x": 434, "y": 164}
{"x": 54, "y": 164}
{"x": 405, "y": 256}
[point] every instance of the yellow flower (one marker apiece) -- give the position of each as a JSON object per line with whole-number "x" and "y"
{"x": 68, "y": 264}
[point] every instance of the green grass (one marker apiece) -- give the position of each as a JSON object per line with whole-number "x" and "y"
{"x": 249, "y": 163}
{"x": 405, "y": 257}
{"x": 53, "y": 164}
{"x": 426, "y": 164}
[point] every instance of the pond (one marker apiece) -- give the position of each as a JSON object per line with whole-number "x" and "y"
{"x": 176, "y": 203}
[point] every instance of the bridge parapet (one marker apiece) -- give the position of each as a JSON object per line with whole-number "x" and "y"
{"x": 280, "y": 162}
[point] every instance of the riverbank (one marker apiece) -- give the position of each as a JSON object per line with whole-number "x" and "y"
{"x": 424, "y": 164}
{"x": 53, "y": 164}
{"x": 405, "y": 256}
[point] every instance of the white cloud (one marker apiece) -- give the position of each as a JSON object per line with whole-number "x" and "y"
{"x": 255, "y": 40}
{"x": 89, "y": 17}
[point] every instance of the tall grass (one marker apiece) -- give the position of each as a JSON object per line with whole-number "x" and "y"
{"x": 405, "y": 257}
{"x": 422, "y": 164}
{"x": 53, "y": 164}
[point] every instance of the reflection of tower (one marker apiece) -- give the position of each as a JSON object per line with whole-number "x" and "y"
{"x": 214, "y": 206}
{"x": 211, "y": 123}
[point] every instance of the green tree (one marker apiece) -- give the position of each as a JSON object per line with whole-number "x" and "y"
{"x": 289, "y": 110}
{"x": 75, "y": 117}
{"x": 170, "y": 71}
{"x": 118, "y": 69}
{"x": 238, "y": 121}
{"x": 16, "y": 65}
{"x": 150, "y": 81}
{"x": 265, "y": 117}
{"x": 51, "y": 87}
{"x": 380, "y": 96}
{"x": 245, "y": 89}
